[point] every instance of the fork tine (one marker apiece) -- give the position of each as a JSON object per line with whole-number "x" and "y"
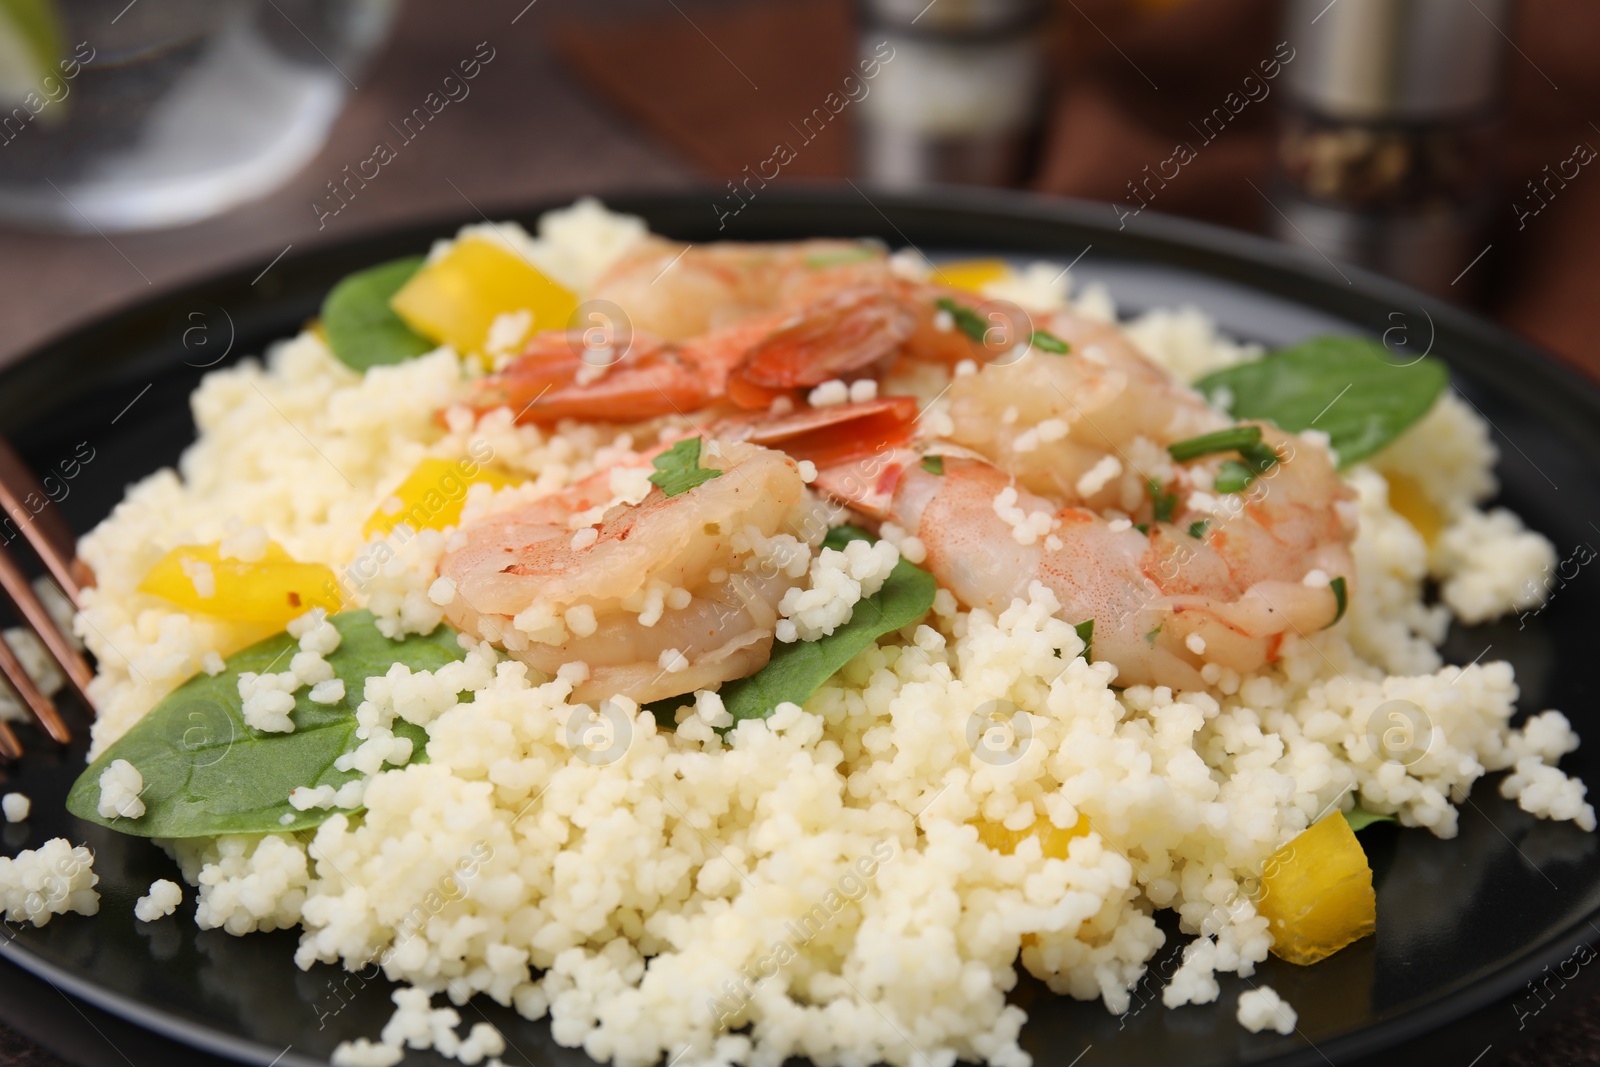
{"x": 17, "y": 589}
{"x": 27, "y": 506}
{"x": 21, "y": 593}
{"x": 49, "y": 536}
{"x": 34, "y": 700}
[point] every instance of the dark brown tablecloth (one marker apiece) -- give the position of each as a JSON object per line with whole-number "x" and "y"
{"x": 680, "y": 114}
{"x": 18, "y": 1051}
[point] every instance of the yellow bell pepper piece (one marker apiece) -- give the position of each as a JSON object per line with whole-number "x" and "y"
{"x": 971, "y": 274}
{"x": 1316, "y": 893}
{"x": 1412, "y": 504}
{"x": 432, "y": 495}
{"x": 1053, "y": 840}
{"x": 272, "y": 589}
{"x": 457, "y": 298}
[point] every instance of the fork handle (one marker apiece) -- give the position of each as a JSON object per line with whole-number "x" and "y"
{"x": 44, "y": 528}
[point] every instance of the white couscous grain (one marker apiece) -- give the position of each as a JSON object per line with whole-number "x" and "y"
{"x": 15, "y": 806}
{"x": 162, "y": 900}
{"x": 1262, "y": 1009}
{"x": 120, "y": 786}
{"x": 53, "y": 879}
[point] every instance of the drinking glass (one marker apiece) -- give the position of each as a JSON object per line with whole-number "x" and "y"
{"x": 119, "y": 115}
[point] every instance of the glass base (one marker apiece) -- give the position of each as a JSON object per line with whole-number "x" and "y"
{"x": 170, "y": 136}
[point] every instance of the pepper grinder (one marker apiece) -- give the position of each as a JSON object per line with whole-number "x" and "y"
{"x": 1385, "y": 149}
{"x": 958, "y": 94}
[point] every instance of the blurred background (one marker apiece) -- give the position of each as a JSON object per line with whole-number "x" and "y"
{"x": 1443, "y": 142}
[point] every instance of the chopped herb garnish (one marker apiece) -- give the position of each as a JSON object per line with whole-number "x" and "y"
{"x": 933, "y": 464}
{"x": 967, "y": 321}
{"x": 1150, "y": 638}
{"x": 1045, "y": 341}
{"x": 1233, "y": 439}
{"x": 1163, "y": 503}
{"x": 1341, "y": 596}
{"x": 1233, "y": 477}
{"x": 678, "y": 469}
{"x": 1197, "y": 529}
{"x": 1086, "y": 635}
{"x": 1259, "y": 457}
{"x": 1142, "y": 527}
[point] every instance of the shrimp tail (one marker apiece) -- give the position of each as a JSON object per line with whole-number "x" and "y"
{"x": 837, "y": 336}
{"x": 859, "y": 449}
{"x": 840, "y": 434}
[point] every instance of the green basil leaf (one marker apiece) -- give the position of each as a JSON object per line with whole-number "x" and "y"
{"x": 1344, "y": 386}
{"x": 207, "y": 773}
{"x": 665, "y": 710}
{"x": 797, "y": 670}
{"x": 361, "y": 327}
{"x": 1085, "y": 631}
{"x": 1360, "y": 818}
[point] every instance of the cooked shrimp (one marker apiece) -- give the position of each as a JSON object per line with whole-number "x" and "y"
{"x": 1205, "y": 578}
{"x": 772, "y": 330}
{"x": 1050, "y": 419}
{"x": 1093, "y": 569}
{"x": 657, "y": 598}
{"x": 626, "y": 377}
{"x": 814, "y": 434}
{"x": 1296, "y": 519}
{"x": 848, "y": 334}
{"x": 1091, "y": 427}
{"x": 678, "y": 291}
{"x": 617, "y": 377}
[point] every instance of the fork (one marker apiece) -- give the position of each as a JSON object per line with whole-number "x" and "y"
{"x": 52, "y": 542}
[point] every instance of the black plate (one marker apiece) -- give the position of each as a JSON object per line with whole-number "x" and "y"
{"x": 1465, "y": 926}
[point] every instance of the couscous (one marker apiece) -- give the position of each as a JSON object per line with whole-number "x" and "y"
{"x": 747, "y": 652}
